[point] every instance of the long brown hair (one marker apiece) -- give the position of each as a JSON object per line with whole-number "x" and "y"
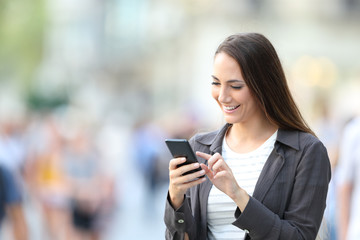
{"x": 264, "y": 75}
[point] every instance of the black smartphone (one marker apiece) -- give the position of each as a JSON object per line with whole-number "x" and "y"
{"x": 182, "y": 148}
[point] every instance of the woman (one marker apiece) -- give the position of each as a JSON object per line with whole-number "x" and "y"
{"x": 267, "y": 173}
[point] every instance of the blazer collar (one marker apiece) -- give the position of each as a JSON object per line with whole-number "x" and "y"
{"x": 289, "y": 138}
{"x": 215, "y": 139}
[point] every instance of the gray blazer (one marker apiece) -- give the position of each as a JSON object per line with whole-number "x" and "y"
{"x": 288, "y": 201}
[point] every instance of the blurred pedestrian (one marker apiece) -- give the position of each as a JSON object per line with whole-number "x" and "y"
{"x": 46, "y": 177}
{"x": 148, "y": 154}
{"x": 11, "y": 205}
{"x": 12, "y": 146}
{"x": 88, "y": 187}
{"x": 267, "y": 174}
{"x": 348, "y": 177}
{"x": 328, "y": 131}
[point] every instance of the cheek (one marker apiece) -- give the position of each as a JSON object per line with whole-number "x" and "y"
{"x": 215, "y": 93}
{"x": 245, "y": 96}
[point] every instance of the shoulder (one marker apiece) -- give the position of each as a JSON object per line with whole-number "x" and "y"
{"x": 297, "y": 140}
{"x": 302, "y": 147}
{"x": 305, "y": 151}
{"x": 307, "y": 139}
{"x": 309, "y": 148}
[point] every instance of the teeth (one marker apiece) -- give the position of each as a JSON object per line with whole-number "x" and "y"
{"x": 230, "y": 108}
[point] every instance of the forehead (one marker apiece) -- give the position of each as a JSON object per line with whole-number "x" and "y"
{"x": 226, "y": 67}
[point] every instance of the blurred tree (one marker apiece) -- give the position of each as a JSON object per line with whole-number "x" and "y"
{"x": 22, "y": 25}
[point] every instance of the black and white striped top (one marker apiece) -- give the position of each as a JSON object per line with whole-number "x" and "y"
{"x": 246, "y": 168}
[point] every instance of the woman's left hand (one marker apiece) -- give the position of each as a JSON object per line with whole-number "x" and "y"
{"x": 220, "y": 174}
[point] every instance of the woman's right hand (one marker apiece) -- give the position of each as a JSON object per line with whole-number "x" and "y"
{"x": 179, "y": 183}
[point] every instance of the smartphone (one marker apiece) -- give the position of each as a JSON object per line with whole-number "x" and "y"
{"x": 182, "y": 148}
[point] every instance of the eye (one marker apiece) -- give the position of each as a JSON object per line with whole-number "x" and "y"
{"x": 237, "y": 87}
{"x": 215, "y": 83}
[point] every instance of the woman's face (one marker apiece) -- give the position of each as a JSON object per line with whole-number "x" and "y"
{"x": 230, "y": 91}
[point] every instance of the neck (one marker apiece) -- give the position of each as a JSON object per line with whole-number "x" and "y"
{"x": 247, "y": 136}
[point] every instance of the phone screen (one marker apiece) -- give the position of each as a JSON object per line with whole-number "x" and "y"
{"x": 182, "y": 148}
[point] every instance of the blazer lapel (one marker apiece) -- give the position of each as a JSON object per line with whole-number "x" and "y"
{"x": 214, "y": 141}
{"x": 268, "y": 174}
{"x": 275, "y": 162}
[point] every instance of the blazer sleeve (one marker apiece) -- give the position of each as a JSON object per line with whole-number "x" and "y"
{"x": 303, "y": 215}
{"x": 181, "y": 220}
{"x": 178, "y": 221}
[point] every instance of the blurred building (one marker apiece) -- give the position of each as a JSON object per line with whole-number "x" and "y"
{"x": 102, "y": 55}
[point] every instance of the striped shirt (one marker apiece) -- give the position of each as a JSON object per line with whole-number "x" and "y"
{"x": 246, "y": 168}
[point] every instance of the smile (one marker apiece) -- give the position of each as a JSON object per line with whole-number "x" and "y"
{"x": 230, "y": 109}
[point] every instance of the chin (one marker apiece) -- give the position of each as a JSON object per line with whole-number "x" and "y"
{"x": 231, "y": 120}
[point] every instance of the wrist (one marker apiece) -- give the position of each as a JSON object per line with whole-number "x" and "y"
{"x": 241, "y": 198}
{"x": 176, "y": 201}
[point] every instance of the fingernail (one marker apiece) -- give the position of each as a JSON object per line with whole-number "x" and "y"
{"x": 196, "y": 165}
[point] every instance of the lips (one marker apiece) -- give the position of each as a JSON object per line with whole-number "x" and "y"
{"x": 230, "y": 109}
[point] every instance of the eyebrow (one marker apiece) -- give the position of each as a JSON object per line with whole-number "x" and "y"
{"x": 229, "y": 81}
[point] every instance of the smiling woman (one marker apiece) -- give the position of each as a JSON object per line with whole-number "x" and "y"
{"x": 267, "y": 173}
{"x": 231, "y": 92}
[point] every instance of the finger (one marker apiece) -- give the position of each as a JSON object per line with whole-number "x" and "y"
{"x": 195, "y": 182}
{"x": 182, "y": 180}
{"x": 179, "y": 171}
{"x": 204, "y": 167}
{"x": 213, "y": 160}
{"x": 218, "y": 166}
{"x": 175, "y": 162}
{"x": 188, "y": 167}
{"x": 191, "y": 176}
{"x": 203, "y": 155}
{"x": 208, "y": 172}
{"x": 220, "y": 174}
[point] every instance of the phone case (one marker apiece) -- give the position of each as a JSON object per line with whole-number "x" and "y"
{"x": 182, "y": 148}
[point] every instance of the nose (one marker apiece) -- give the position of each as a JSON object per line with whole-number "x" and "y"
{"x": 224, "y": 95}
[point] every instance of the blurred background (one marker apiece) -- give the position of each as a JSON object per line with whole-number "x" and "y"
{"x": 89, "y": 90}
